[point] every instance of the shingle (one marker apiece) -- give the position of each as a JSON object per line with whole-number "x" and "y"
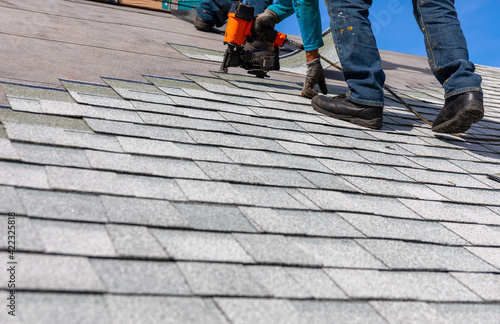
{"x": 164, "y": 112}
{"x": 62, "y": 308}
{"x": 469, "y": 313}
{"x": 436, "y": 210}
{"x": 337, "y": 311}
{"x": 134, "y": 241}
{"x": 410, "y": 312}
{"x": 211, "y": 105}
{"x": 24, "y": 104}
{"x": 302, "y": 199}
{"x": 136, "y": 130}
{"x": 266, "y": 132}
{"x": 219, "y": 279}
{"x": 437, "y": 164}
{"x": 322, "y": 151}
{"x": 144, "y": 95}
{"x": 438, "y": 152}
{"x": 33, "y": 92}
{"x": 173, "y": 168}
{"x": 443, "y": 178}
{"x": 10, "y": 117}
{"x": 74, "y": 238}
{"x": 142, "y": 211}
{"x": 266, "y": 122}
{"x": 467, "y": 195}
{"x": 431, "y": 286}
{"x": 289, "y": 98}
{"x": 20, "y": 174}
{"x": 188, "y": 123}
{"x": 211, "y": 191}
{"x": 316, "y": 283}
{"x": 338, "y": 201}
{"x": 290, "y": 114}
{"x": 269, "y": 197}
{"x": 350, "y": 168}
{"x": 19, "y": 231}
{"x": 168, "y": 310}
{"x": 393, "y": 188}
{"x": 7, "y": 151}
{"x": 386, "y": 159}
{"x": 254, "y": 175}
{"x": 42, "y": 154}
{"x": 104, "y": 101}
{"x": 476, "y": 167}
{"x": 275, "y": 249}
{"x": 486, "y": 285}
{"x": 226, "y": 98}
{"x": 201, "y": 246}
{"x": 62, "y": 205}
{"x": 56, "y": 136}
{"x": 338, "y": 253}
{"x": 490, "y": 255}
{"x": 62, "y": 273}
{"x": 233, "y": 140}
{"x": 169, "y": 149}
{"x": 325, "y": 128}
{"x": 404, "y": 229}
{"x": 262, "y": 158}
{"x": 476, "y": 234}
{"x": 110, "y": 182}
{"x": 402, "y": 255}
{"x": 9, "y": 201}
{"x": 258, "y": 311}
{"x": 214, "y": 217}
{"x": 278, "y": 282}
{"x": 300, "y": 222}
{"x": 141, "y": 277}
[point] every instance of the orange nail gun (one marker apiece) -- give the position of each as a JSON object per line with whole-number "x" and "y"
{"x": 238, "y": 31}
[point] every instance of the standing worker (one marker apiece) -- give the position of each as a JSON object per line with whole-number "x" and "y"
{"x": 448, "y": 59}
{"x": 309, "y": 18}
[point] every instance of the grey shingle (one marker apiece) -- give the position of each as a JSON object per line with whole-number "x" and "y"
{"x": 486, "y": 285}
{"x": 225, "y": 98}
{"x": 476, "y": 234}
{"x": 9, "y": 201}
{"x": 166, "y": 111}
{"x": 211, "y": 191}
{"x": 258, "y": 311}
{"x": 110, "y": 182}
{"x": 20, "y": 174}
{"x": 266, "y": 132}
{"x": 10, "y": 117}
{"x": 254, "y": 175}
{"x": 168, "y": 310}
{"x": 429, "y": 286}
{"x": 404, "y": 229}
{"x": 322, "y": 151}
{"x": 410, "y": 312}
{"x": 338, "y": 253}
{"x": 24, "y": 104}
{"x": 201, "y": 246}
{"x": 436, "y": 210}
{"x": 437, "y": 164}
{"x": 338, "y": 201}
{"x": 74, "y": 238}
{"x": 274, "y": 159}
{"x": 316, "y": 283}
{"x": 142, "y": 211}
{"x": 62, "y": 273}
{"x": 62, "y": 205}
{"x": 386, "y": 159}
{"x": 144, "y": 131}
{"x": 443, "y": 178}
{"x": 301, "y": 198}
{"x": 289, "y": 98}
{"x": 275, "y": 249}
{"x": 58, "y": 308}
{"x": 141, "y": 277}
{"x": 267, "y": 122}
{"x": 211, "y": 105}
{"x": 490, "y": 255}
{"x": 438, "y": 152}
{"x": 236, "y": 141}
{"x": 7, "y": 151}
{"x": 144, "y": 165}
{"x": 290, "y": 114}
{"x": 149, "y": 95}
{"x": 270, "y": 197}
{"x": 134, "y": 241}
{"x": 338, "y": 311}
{"x": 42, "y": 154}
{"x": 214, "y": 279}
{"x": 187, "y": 123}
{"x": 468, "y": 313}
{"x": 104, "y": 101}
{"x": 300, "y": 222}
{"x": 214, "y": 217}
{"x": 350, "y": 168}
{"x": 467, "y": 195}
{"x": 55, "y": 136}
{"x": 278, "y": 282}
{"x": 402, "y": 255}
{"x": 19, "y": 231}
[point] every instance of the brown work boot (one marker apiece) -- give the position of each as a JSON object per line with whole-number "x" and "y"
{"x": 202, "y": 25}
{"x": 459, "y": 113}
{"x": 341, "y": 107}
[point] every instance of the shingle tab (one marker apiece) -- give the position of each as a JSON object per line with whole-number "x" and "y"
{"x": 188, "y": 123}
{"x": 9, "y": 201}
{"x": 316, "y": 283}
{"x": 429, "y": 286}
{"x": 258, "y": 311}
{"x": 486, "y": 285}
{"x": 7, "y": 151}
{"x": 41, "y": 154}
{"x": 135, "y": 241}
{"x": 20, "y": 174}
{"x": 278, "y": 282}
{"x": 490, "y": 255}
{"x": 476, "y": 234}
{"x": 341, "y": 312}
{"x": 20, "y": 233}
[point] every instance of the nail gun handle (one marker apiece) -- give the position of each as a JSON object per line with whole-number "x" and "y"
{"x": 271, "y": 35}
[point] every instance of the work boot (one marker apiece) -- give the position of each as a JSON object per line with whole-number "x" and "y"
{"x": 459, "y": 113}
{"x": 342, "y": 108}
{"x": 202, "y": 24}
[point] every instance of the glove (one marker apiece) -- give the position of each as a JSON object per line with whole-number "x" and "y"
{"x": 266, "y": 19}
{"x": 315, "y": 75}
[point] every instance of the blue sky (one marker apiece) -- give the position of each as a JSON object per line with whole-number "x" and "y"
{"x": 396, "y": 30}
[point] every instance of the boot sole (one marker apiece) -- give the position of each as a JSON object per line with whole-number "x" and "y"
{"x": 462, "y": 120}
{"x": 375, "y": 123}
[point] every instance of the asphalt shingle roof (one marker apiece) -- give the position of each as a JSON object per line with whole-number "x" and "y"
{"x": 167, "y": 192}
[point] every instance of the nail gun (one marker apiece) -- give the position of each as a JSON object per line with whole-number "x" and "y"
{"x": 239, "y": 31}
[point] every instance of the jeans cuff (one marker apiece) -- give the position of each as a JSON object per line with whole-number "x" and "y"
{"x": 460, "y": 91}
{"x": 366, "y": 102}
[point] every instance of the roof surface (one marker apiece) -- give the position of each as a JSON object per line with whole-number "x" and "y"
{"x": 149, "y": 188}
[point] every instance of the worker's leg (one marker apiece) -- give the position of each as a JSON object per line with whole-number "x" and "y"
{"x": 309, "y": 19}
{"x": 214, "y": 12}
{"x": 446, "y": 46}
{"x": 259, "y": 5}
{"x": 357, "y": 50}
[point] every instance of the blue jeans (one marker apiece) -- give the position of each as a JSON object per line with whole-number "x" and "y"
{"x": 357, "y": 50}
{"x": 215, "y": 11}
